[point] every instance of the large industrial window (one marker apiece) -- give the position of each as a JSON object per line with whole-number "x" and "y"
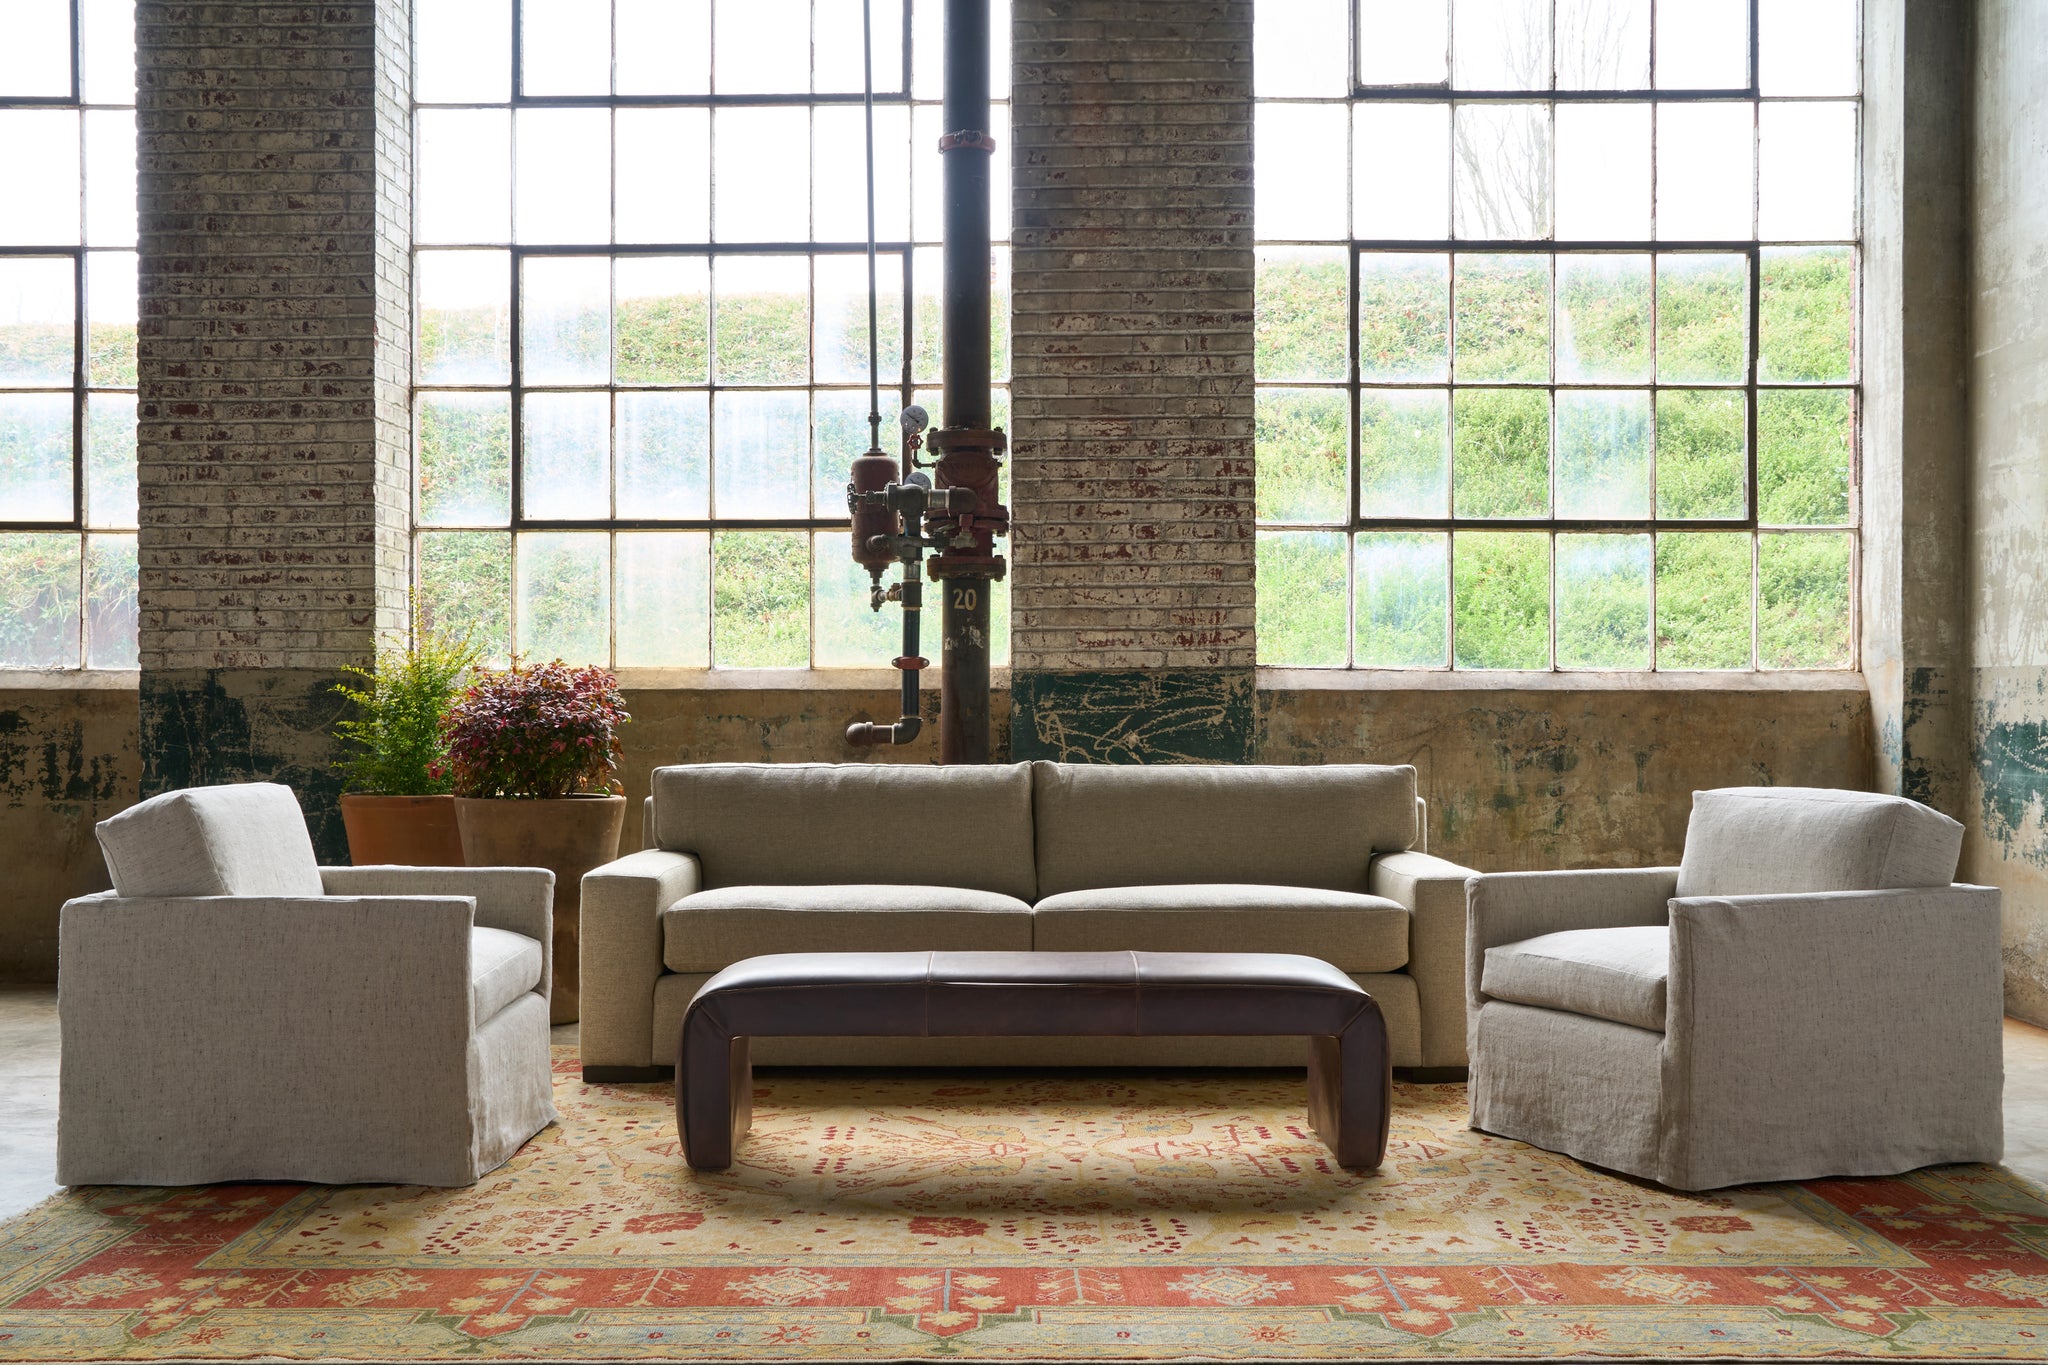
{"x": 67, "y": 334}
{"x": 641, "y": 301}
{"x": 1556, "y": 333}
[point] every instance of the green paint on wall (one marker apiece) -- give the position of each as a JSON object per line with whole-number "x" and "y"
{"x": 2012, "y": 764}
{"x": 1196, "y": 716}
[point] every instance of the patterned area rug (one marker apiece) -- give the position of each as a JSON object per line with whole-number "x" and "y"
{"x": 1024, "y": 1218}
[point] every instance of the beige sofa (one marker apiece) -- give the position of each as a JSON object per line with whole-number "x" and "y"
{"x": 744, "y": 859}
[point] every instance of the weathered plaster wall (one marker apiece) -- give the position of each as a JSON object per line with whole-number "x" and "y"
{"x": 2007, "y": 844}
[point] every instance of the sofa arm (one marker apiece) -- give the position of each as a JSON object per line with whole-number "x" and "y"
{"x": 621, "y": 948}
{"x": 1867, "y": 1018}
{"x": 519, "y": 900}
{"x": 1433, "y": 890}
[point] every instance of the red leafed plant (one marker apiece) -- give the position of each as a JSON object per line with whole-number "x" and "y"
{"x": 544, "y": 731}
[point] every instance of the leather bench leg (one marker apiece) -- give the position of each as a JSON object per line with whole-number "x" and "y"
{"x": 714, "y": 1093}
{"x": 1351, "y": 1091}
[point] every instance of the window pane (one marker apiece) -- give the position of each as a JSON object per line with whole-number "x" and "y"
{"x": 664, "y": 587}
{"x": 1299, "y": 330}
{"x": 763, "y": 47}
{"x": 1503, "y": 156}
{"x": 1603, "y": 319}
{"x": 752, "y": 207}
{"x": 1603, "y": 171}
{"x": 1702, "y": 44}
{"x": 565, "y": 175}
{"x": 107, "y": 32}
{"x": 464, "y": 300}
{"x": 1702, "y": 319}
{"x": 1501, "y": 445}
{"x": 1300, "y": 189}
{"x": 1803, "y": 456}
{"x": 927, "y": 315}
{"x": 664, "y": 455}
{"x": 1502, "y": 591}
{"x": 1803, "y": 600}
{"x": 1404, "y": 318}
{"x": 39, "y": 580}
{"x": 465, "y": 584}
{"x": 1404, "y": 453}
{"x": 1603, "y": 44}
{"x": 1603, "y": 601}
{"x": 842, "y": 326}
{"x": 760, "y": 599}
{"x": 1808, "y": 47}
{"x": 840, "y": 193}
{"x": 35, "y": 61}
{"x": 1808, "y": 318}
{"x": 1403, "y": 595}
{"x": 1700, "y": 441}
{"x": 35, "y": 457}
{"x": 1503, "y": 318}
{"x": 664, "y": 48}
{"x": 462, "y": 51}
{"x": 1705, "y": 171}
{"x": 850, "y": 634}
{"x": 1809, "y": 173}
{"x": 1401, "y": 175}
{"x": 1603, "y": 454}
{"x": 1703, "y": 599}
{"x": 761, "y": 307}
{"x": 38, "y": 321}
{"x": 839, "y": 431}
{"x": 567, "y": 438}
{"x": 110, "y": 177}
{"x": 1301, "y": 598}
{"x": 110, "y": 495}
{"x": 1301, "y": 453}
{"x": 39, "y": 167}
{"x": 565, "y": 596}
{"x": 463, "y": 187}
{"x": 565, "y": 320}
{"x": 565, "y": 48}
{"x": 761, "y": 453}
{"x": 836, "y": 46}
{"x": 111, "y": 617}
{"x": 465, "y": 459}
{"x": 110, "y": 313}
{"x": 1404, "y": 42}
{"x": 664, "y": 175}
{"x": 1301, "y": 48}
{"x": 1500, "y": 44}
{"x": 661, "y": 323}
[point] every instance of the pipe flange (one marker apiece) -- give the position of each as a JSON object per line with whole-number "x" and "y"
{"x": 970, "y": 138}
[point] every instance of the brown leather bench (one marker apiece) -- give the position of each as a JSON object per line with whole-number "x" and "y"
{"x": 1032, "y": 994}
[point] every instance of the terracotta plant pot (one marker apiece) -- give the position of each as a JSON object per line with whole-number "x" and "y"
{"x": 413, "y": 831}
{"x": 569, "y": 837}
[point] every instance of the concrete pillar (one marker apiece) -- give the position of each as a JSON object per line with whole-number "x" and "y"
{"x": 275, "y": 153}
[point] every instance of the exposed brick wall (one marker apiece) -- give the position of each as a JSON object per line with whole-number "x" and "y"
{"x": 274, "y": 161}
{"x": 1132, "y": 335}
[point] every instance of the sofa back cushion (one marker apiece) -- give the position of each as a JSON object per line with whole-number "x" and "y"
{"x": 813, "y": 824}
{"x": 245, "y": 840}
{"x": 1101, "y": 826}
{"x": 1760, "y": 841}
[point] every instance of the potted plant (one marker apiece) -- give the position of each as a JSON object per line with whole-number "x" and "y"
{"x": 395, "y": 800}
{"x": 534, "y": 752}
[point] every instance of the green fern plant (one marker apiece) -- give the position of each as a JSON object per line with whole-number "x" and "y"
{"x": 392, "y": 742}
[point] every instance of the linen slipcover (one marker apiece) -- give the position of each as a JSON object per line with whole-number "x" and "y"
{"x": 1760, "y": 841}
{"x": 1613, "y": 974}
{"x": 243, "y": 840}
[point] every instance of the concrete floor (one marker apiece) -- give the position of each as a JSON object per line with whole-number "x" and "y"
{"x": 28, "y": 1097}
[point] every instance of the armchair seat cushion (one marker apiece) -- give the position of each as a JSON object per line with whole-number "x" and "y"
{"x": 502, "y": 967}
{"x": 1350, "y": 931}
{"x": 1616, "y": 974}
{"x": 711, "y": 930}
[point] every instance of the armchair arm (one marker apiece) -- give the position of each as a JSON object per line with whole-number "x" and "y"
{"x": 622, "y": 905}
{"x": 1834, "y": 1013}
{"x": 1434, "y": 892}
{"x": 519, "y": 900}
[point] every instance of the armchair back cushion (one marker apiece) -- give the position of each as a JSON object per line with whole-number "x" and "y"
{"x": 1756, "y": 841}
{"x": 244, "y": 840}
{"x": 1103, "y": 826}
{"x": 815, "y": 824}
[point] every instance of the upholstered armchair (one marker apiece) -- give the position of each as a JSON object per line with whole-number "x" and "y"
{"x": 1804, "y": 995}
{"x": 233, "y": 1011}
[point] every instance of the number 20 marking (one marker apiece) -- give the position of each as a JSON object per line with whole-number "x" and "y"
{"x": 964, "y": 599}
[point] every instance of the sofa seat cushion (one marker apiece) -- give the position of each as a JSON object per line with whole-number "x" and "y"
{"x": 502, "y": 967}
{"x": 714, "y": 929}
{"x": 1350, "y": 931}
{"x": 1616, "y": 974}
